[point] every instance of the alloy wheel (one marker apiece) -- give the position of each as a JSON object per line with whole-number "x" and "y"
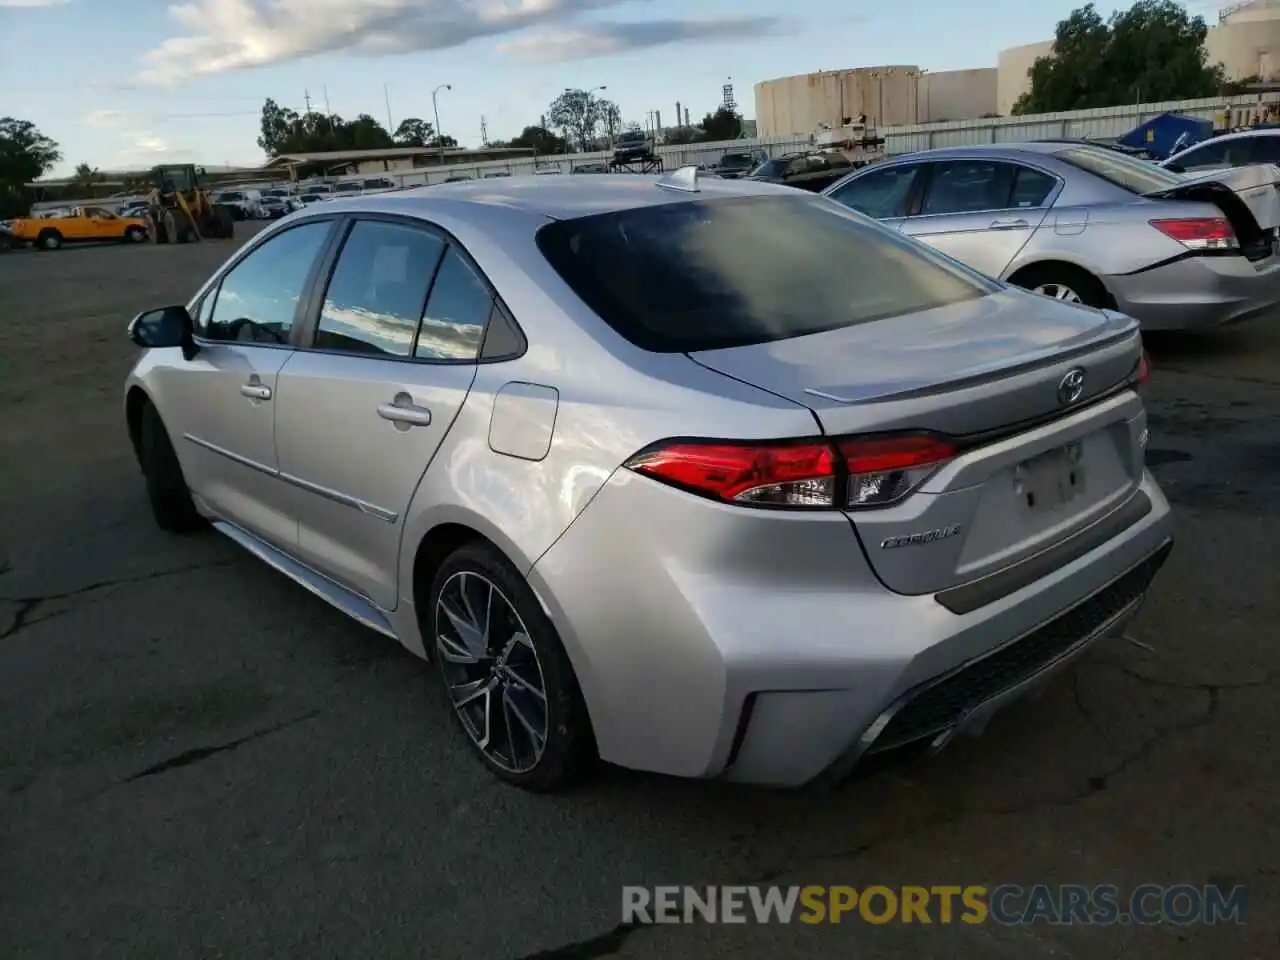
{"x": 1058, "y": 291}
{"x": 492, "y": 672}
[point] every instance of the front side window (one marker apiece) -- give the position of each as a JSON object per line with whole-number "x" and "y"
{"x": 375, "y": 298}
{"x": 677, "y": 277}
{"x": 459, "y": 307}
{"x": 881, "y": 194}
{"x": 258, "y": 297}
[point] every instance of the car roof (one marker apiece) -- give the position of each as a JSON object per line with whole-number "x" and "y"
{"x": 556, "y": 198}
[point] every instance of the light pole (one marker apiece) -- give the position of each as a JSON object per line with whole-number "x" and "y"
{"x": 588, "y": 113}
{"x": 435, "y": 108}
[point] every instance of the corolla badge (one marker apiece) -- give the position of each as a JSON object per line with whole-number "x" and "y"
{"x": 924, "y": 536}
{"x": 1071, "y": 386}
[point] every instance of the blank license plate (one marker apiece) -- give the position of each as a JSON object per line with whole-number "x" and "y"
{"x": 1050, "y": 480}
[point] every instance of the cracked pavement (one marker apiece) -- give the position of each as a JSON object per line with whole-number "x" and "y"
{"x": 197, "y": 758}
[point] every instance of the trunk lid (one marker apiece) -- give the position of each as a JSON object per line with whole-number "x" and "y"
{"x": 1249, "y": 197}
{"x": 1036, "y": 465}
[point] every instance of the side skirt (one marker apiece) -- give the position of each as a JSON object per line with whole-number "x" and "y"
{"x": 358, "y": 608}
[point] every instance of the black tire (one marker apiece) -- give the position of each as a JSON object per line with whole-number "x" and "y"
{"x": 1060, "y": 276}
{"x": 184, "y": 230}
{"x": 135, "y": 235}
{"x": 171, "y": 503}
{"x": 49, "y": 240}
{"x": 569, "y": 751}
{"x": 226, "y": 224}
{"x": 165, "y": 226}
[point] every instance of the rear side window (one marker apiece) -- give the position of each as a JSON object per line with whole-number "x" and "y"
{"x": 1031, "y": 188}
{"x": 375, "y": 299}
{"x": 966, "y": 186}
{"x": 459, "y": 307}
{"x": 1264, "y": 148}
{"x": 1136, "y": 176}
{"x": 703, "y": 275}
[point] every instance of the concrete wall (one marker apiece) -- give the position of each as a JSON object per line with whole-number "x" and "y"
{"x": 1012, "y": 66}
{"x": 799, "y": 105}
{"x": 958, "y": 94}
{"x": 1247, "y": 48}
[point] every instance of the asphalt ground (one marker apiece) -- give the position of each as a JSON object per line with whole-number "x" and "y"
{"x": 200, "y": 759}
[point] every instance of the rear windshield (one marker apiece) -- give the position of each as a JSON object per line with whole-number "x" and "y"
{"x": 1134, "y": 175}
{"x": 771, "y": 168}
{"x": 708, "y": 274}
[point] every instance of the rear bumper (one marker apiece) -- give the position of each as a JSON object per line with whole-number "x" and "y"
{"x": 763, "y": 650}
{"x": 1198, "y": 293}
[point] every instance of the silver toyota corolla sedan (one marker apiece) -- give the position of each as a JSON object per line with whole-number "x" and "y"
{"x": 712, "y": 478}
{"x": 1090, "y": 225}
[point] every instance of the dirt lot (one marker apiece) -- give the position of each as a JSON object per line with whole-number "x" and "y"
{"x": 197, "y": 758}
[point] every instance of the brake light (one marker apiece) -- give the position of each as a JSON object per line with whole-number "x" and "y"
{"x": 1213, "y": 233}
{"x": 801, "y": 474}
{"x": 785, "y": 474}
{"x": 1144, "y": 369}
{"x": 885, "y": 469}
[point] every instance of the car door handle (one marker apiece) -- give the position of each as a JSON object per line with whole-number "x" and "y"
{"x": 1009, "y": 224}
{"x": 405, "y": 413}
{"x": 255, "y": 391}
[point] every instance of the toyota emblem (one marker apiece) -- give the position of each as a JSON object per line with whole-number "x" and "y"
{"x": 1071, "y": 386}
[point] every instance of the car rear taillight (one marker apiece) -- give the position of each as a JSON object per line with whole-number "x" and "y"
{"x": 1144, "y": 369}
{"x": 1213, "y": 233}
{"x": 782, "y": 475}
{"x": 885, "y": 469}
{"x": 843, "y": 473}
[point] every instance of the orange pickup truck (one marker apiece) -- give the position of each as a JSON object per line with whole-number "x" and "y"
{"x": 78, "y": 225}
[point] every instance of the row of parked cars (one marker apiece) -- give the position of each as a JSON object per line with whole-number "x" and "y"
{"x": 1187, "y": 245}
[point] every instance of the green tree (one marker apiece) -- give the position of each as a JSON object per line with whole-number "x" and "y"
{"x": 724, "y": 124}
{"x": 539, "y": 139}
{"x": 579, "y": 115}
{"x": 286, "y": 131}
{"x": 1151, "y": 52}
{"x": 413, "y": 132}
{"x": 277, "y": 124}
{"x": 86, "y": 175}
{"x": 26, "y": 154}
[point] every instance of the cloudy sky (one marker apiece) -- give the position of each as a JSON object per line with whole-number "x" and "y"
{"x": 137, "y": 82}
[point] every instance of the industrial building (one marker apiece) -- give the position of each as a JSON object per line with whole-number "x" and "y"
{"x": 889, "y": 96}
{"x": 1246, "y": 41}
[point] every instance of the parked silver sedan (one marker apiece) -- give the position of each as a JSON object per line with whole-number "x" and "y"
{"x": 1090, "y": 225}
{"x": 644, "y": 491}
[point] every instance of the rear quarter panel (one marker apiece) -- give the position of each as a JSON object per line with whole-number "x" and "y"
{"x": 1105, "y": 239}
{"x": 613, "y": 400}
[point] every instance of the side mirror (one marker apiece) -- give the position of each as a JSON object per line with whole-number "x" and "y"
{"x": 1175, "y": 168}
{"x": 166, "y": 327}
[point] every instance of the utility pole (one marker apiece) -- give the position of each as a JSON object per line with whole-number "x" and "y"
{"x": 386, "y": 95}
{"x": 435, "y": 109}
{"x": 327, "y": 111}
{"x": 306, "y": 98}
{"x": 484, "y": 131}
